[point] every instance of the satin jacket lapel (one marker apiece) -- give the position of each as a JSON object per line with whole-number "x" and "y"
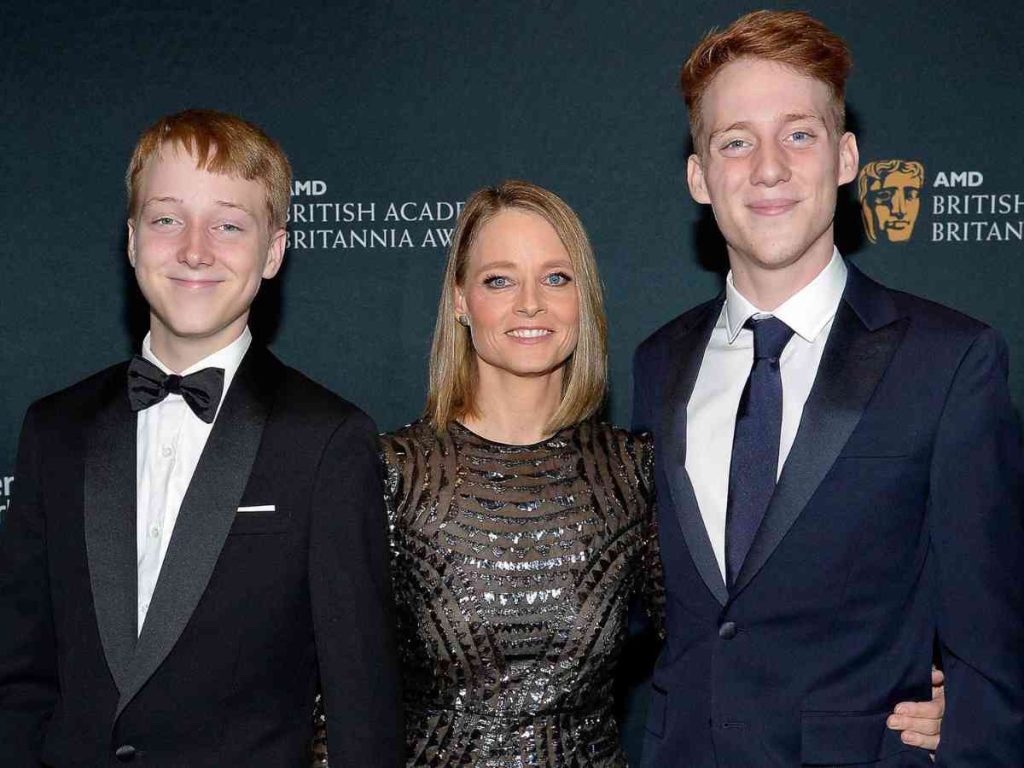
{"x": 688, "y": 352}
{"x": 109, "y": 509}
{"x": 206, "y": 515}
{"x": 864, "y": 337}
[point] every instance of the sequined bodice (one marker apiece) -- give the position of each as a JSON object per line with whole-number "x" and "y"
{"x": 513, "y": 568}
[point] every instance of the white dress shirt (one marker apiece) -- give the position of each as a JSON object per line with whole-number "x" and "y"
{"x": 711, "y": 412}
{"x": 169, "y": 441}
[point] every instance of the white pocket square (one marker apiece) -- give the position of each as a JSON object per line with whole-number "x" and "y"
{"x": 259, "y": 508}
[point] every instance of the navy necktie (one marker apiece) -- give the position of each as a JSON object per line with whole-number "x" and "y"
{"x": 755, "y": 443}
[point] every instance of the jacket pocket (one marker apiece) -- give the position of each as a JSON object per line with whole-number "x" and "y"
{"x": 250, "y": 521}
{"x": 843, "y": 738}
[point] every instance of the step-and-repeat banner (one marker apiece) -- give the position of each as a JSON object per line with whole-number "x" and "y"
{"x": 394, "y": 112}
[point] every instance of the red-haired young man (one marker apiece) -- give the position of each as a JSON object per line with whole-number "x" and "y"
{"x": 839, "y": 465}
{"x": 196, "y": 544}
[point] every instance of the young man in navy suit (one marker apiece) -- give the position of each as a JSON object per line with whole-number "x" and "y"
{"x": 196, "y": 544}
{"x": 839, "y": 465}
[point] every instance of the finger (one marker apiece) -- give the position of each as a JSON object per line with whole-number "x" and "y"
{"x": 920, "y": 725}
{"x": 919, "y": 740}
{"x": 937, "y": 677}
{"x": 928, "y": 709}
{"x": 939, "y": 699}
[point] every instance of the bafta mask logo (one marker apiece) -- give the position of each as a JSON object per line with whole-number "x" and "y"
{"x": 890, "y": 198}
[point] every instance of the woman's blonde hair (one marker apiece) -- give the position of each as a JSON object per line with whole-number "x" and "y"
{"x": 452, "y": 392}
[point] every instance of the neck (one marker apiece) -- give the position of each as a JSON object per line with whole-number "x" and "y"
{"x": 180, "y": 353}
{"x": 767, "y": 289}
{"x": 514, "y": 409}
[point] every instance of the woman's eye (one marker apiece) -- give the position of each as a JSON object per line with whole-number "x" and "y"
{"x": 163, "y": 221}
{"x": 557, "y": 278}
{"x": 497, "y": 281}
{"x": 230, "y": 227}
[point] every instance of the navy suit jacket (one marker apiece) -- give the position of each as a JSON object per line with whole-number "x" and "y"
{"x": 897, "y": 520}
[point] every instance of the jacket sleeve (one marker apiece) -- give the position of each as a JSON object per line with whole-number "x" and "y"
{"x": 976, "y": 513}
{"x": 353, "y": 614}
{"x": 28, "y": 651}
{"x": 643, "y": 405}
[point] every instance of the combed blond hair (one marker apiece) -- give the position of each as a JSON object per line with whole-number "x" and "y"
{"x": 219, "y": 143}
{"x": 453, "y": 376}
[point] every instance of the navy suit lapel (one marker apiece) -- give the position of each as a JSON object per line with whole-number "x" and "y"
{"x": 687, "y": 353}
{"x": 109, "y": 510}
{"x": 865, "y": 334}
{"x": 206, "y": 515}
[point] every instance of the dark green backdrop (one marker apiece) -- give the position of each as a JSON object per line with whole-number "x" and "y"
{"x": 382, "y": 103}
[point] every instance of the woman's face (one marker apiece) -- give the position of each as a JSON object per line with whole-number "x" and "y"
{"x": 520, "y": 296}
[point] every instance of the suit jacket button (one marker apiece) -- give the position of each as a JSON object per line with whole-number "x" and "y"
{"x": 727, "y": 630}
{"x": 125, "y": 753}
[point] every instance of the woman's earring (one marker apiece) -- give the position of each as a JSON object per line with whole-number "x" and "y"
{"x": 464, "y": 320}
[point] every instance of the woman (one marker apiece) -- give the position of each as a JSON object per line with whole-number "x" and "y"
{"x": 520, "y": 527}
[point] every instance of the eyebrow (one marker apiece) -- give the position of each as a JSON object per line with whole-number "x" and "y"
{"x": 164, "y": 199}
{"x": 793, "y": 117}
{"x": 178, "y": 201}
{"x": 237, "y": 206}
{"x": 561, "y": 263}
{"x": 496, "y": 265}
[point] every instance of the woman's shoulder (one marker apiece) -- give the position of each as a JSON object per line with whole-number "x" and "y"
{"x": 403, "y": 453}
{"x": 414, "y": 442}
{"x": 631, "y": 452}
{"x": 409, "y": 440}
{"x": 415, "y": 431}
{"x": 613, "y": 435}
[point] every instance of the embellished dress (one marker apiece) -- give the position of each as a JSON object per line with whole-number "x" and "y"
{"x": 513, "y": 569}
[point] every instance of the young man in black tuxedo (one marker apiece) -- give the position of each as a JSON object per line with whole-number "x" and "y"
{"x": 196, "y": 543}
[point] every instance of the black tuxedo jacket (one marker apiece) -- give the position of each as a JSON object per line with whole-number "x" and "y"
{"x": 897, "y": 519}
{"x": 252, "y": 610}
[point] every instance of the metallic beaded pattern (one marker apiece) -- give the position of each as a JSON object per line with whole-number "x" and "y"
{"x": 513, "y": 569}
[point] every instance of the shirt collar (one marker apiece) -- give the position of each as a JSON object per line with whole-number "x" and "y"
{"x": 229, "y": 358}
{"x": 807, "y": 311}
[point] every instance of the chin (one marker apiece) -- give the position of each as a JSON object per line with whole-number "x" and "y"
{"x": 776, "y": 259}
{"x": 532, "y": 371}
{"x": 528, "y": 368}
{"x": 781, "y": 254}
{"x": 192, "y": 327}
{"x": 196, "y": 332}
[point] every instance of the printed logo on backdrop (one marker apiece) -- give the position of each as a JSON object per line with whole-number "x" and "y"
{"x": 890, "y": 198}
{"x": 319, "y": 221}
{"x": 6, "y": 482}
{"x": 961, "y": 208}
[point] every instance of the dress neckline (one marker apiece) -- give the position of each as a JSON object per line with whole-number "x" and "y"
{"x": 459, "y": 427}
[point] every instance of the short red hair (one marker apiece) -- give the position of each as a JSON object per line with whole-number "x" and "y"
{"x": 792, "y": 38}
{"x": 220, "y": 143}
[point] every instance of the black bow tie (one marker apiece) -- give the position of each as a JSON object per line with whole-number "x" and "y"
{"x": 148, "y": 385}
